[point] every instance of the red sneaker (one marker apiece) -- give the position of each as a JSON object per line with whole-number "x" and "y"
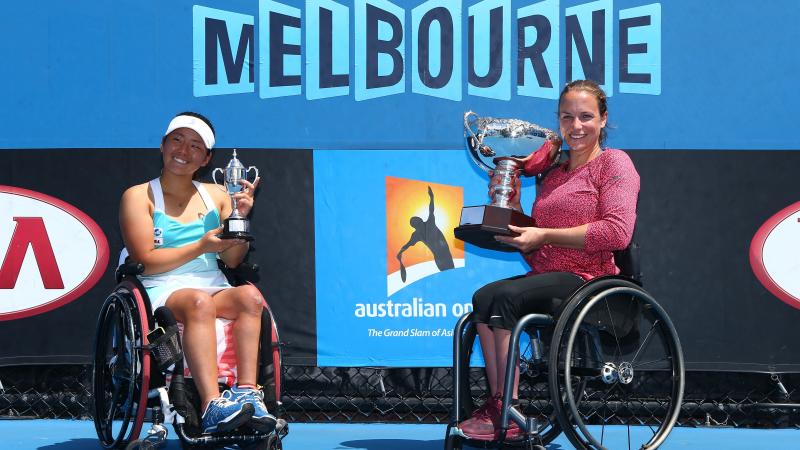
{"x": 481, "y": 425}
{"x": 514, "y": 432}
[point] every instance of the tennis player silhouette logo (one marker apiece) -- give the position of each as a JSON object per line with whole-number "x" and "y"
{"x": 425, "y": 231}
{"x": 420, "y": 218}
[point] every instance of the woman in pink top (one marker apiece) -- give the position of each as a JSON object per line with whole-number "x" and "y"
{"x": 584, "y": 210}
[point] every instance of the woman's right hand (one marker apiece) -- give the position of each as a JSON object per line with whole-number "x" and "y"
{"x": 211, "y": 243}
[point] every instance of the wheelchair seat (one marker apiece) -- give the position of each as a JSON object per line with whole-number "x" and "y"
{"x": 139, "y": 371}
{"x": 611, "y": 358}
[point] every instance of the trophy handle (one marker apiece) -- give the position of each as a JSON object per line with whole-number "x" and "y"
{"x": 474, "y": 142}
{"x": 248, "y": 171}
{"x": 468, "y": 124}
{"x": 214, "y": 177}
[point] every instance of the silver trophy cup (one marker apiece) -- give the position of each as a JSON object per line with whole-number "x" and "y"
{"x": 235, "y": 226}
{"x": 498, "y": 147}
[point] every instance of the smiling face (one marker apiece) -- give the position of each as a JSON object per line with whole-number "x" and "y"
{"x": 580, "y": 120}
{"x": 184, "y": 152}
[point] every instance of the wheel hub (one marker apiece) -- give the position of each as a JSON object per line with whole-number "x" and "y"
{"x": 609, "y": 373}
{"x": 625, "y": 373}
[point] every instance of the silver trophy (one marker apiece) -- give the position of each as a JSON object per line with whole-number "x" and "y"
{"x": 498, "y": 146}
{"x": 235, "y": 226}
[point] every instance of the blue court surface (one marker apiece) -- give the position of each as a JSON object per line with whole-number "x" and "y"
{"x": 80, "y": 435}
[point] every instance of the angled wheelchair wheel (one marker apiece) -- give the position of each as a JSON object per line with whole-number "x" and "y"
{"x": 120, "y": 374}
{"x": 617, "y": 368}
{"x": 270, "y": 372}
{"x": 533, "y": 392}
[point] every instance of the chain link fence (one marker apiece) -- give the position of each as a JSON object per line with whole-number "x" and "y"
{"x": 423, "y": 395}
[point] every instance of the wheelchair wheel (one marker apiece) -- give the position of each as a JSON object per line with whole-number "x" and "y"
{"x": 120, "y": 374}
{"x": 616, "y": 362}
{"x": 270, "y": 372}
{"x": 533, "y": 392}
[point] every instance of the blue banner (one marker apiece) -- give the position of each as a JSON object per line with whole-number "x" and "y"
{"x": 391, "y": 278}
{"x": 394, "y": 75}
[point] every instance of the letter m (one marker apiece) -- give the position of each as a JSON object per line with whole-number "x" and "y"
{"x": 223, "y": 52}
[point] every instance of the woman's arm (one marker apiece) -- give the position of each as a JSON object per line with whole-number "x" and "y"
{"x": 531, "y": 238}
{"x": 617, "y": 197}
{"x": 136, "y": 224}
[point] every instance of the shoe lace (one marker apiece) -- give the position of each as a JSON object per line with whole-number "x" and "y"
{"x": 223, "y": 402}
{"x": 219, "y": 402}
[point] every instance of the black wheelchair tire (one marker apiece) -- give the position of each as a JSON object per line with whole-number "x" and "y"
{"x": 126, "y": 367}
{"x": 570, "y": 386}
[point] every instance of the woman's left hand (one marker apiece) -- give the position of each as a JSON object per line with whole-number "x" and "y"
{"x": 528, "y": 240}
{"x": 244, "y": 198}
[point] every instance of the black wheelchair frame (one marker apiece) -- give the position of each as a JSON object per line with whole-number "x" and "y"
{"x": 129, "y": 375}
{"x": 610, "y": 340}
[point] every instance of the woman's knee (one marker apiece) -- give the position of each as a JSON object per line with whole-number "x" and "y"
{"x": 249, "y": 299}
{"x": 191, "y": 305}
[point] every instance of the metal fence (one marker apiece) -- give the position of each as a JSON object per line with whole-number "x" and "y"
{"x": 417, "y": 395}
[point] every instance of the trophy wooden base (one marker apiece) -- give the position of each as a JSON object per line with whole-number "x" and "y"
{"x": 480, "y": 224}
{"x": 236, "y": 229}
{"x": 237, "y": 235}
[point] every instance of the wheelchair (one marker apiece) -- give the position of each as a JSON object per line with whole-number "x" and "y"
{"x": 614, "y": 360}
{"x": 138, "y": 373}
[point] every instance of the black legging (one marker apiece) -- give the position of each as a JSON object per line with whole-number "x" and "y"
{"x": 502, "y": 303}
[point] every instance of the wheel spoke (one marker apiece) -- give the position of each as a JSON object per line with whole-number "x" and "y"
{"x": 613, "y": 330}
{"x": 646, "y": 340}
{"x": 112, "y": 410}
{"x": 655, "y": 361}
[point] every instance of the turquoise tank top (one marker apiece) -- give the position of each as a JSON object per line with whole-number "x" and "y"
{"x": 169, "y": 233}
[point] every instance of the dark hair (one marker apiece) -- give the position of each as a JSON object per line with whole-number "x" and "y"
{"x": 594, "y": 89}
{"x": 203, "y": 170}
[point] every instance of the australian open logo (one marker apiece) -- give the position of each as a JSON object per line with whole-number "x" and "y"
{"x": 438, "y": 48}
{"x": 420, "y": 217}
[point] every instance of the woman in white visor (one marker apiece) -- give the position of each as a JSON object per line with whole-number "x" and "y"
{"x": 170, "y": 225}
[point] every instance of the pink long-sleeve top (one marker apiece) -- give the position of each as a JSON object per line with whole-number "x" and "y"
{"x": 602, "y": 193}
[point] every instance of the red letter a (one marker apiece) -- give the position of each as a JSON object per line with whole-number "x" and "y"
{"x": 30, "y": 230}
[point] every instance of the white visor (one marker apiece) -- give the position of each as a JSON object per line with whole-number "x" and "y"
{"x": 195, "y": 124}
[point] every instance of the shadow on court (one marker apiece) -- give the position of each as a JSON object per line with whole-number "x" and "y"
{"x": 405, "y": 444}
{"x": 73, "y": 444}
{"x": 392, "y": 444}
{"x": 90, "y": 444}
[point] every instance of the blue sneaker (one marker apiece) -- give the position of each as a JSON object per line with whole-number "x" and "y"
{"x": 261, "y": 420}
{"x": 223, "y": 415}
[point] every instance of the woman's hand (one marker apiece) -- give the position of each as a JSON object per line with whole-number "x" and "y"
{"x": 210, "y": 243}
{"x": 528, "y": 240}
{"x": 245, "y": 197}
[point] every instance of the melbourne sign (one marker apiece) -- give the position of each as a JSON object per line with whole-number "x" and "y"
{"x": 378, "y": 48}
